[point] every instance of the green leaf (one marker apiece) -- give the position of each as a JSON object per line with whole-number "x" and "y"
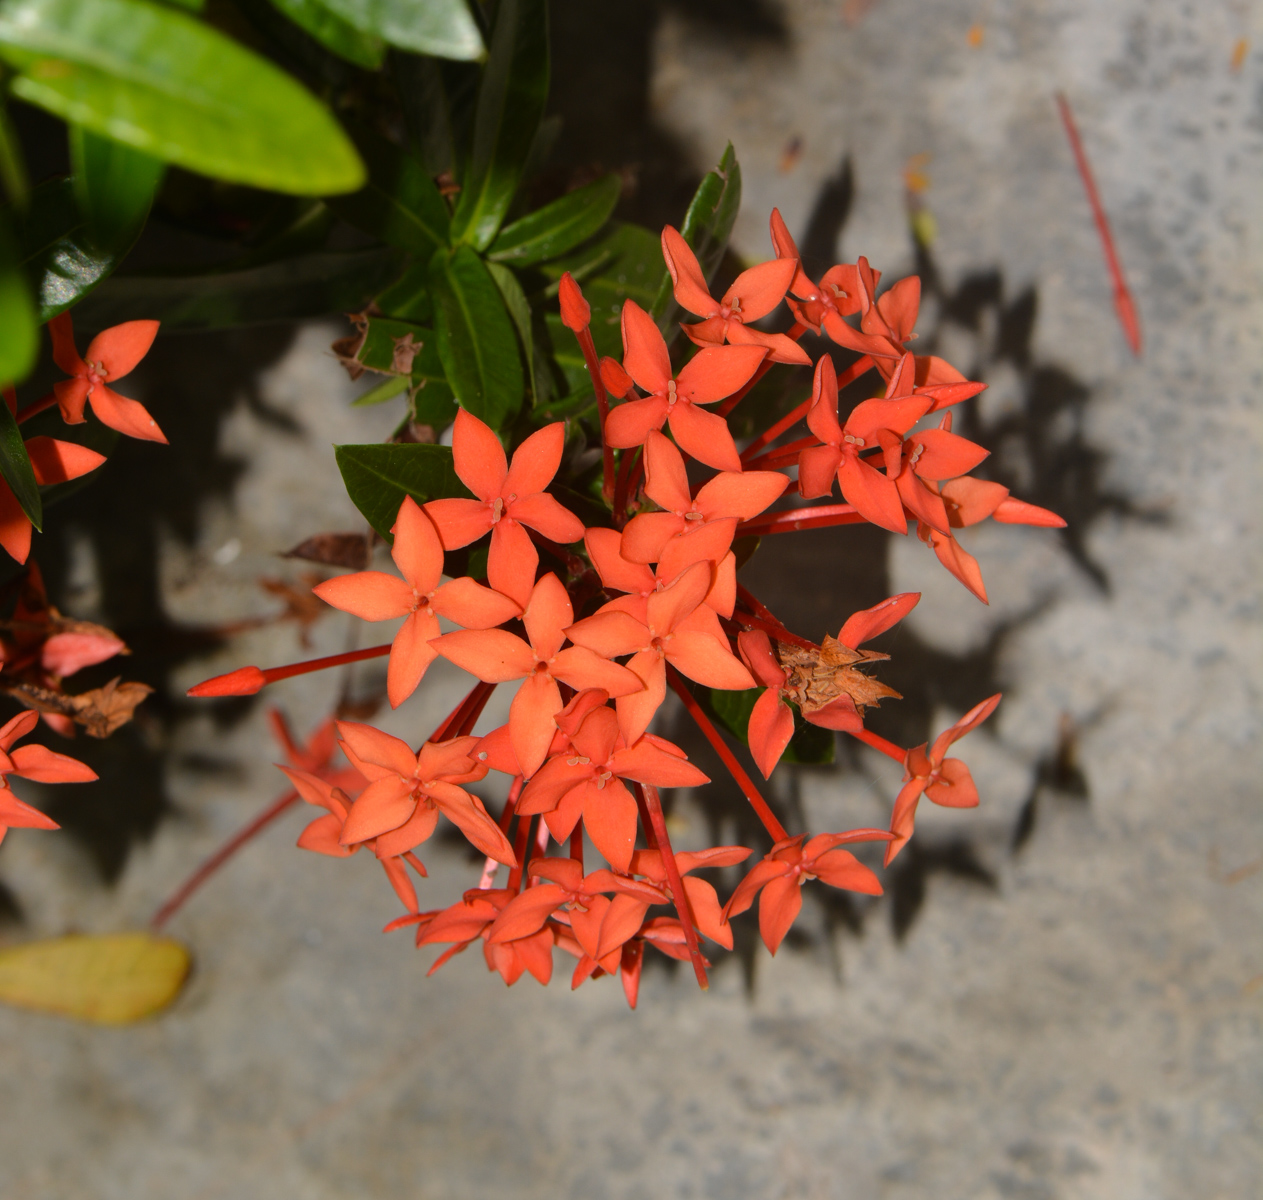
{"x": 519, "y": 310}
{"x": 382, "y": 340}
{"x": 476, "y": 340}
{"x": 624, "y": 262}
{"x": 408, "y": 298}
{"x": 400, "y": 203}
{"x": 378, "y": 477}
{"x": 176, "y": 89}
{"x": 557, "y": 227}
{"x": 810, "y": 745}
{"x": 15, "y": 466}
{"x": 379, "y": 393}
{"x": 434, "y": 404}
{"x": 20, "y": 343}
{"x": 60, "y": 259}
{"x": 510, "y": 104}
{"x": 311, "y": 286}
{"x": 707, "y": 226}
{"x": 334, "y": 33}
{"x": 114, "y": 185}
{"x": 443, "y": 28}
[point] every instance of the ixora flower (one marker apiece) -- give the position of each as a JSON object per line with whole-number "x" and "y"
{"x": 112, "y": 354}
{"x": 53, "y": 461}
{"x": 31, "y": 762}
{"x": 643, "y": 594}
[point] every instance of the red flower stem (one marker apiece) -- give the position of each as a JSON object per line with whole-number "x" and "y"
{"x": 712, "y": 735}
{"x": 521, "y": 843}
{"x": 794, "y": 333}
{"x": 769, "y": 435}
{"x": 576, "y": 844}
{"x": 752, "y": 602}
{"x": 629, "y": 464}
{"x": 775, "y": 629}
{"x": 574, "y": 564}
{"x": 869, "y": 738}
{"x": 177, "y": 899}
{"x": 588, "y": 347}
{"x": 41, "y": 405}
{"x": 274, "y": 674}
{"x": 473, "y": 710}
{"x": 1124, "y": 305}
{"x": 478, "y": 696}
{"x": 491, "y": 866}
{"x": 781, "y": 456}
{"x": 788, "y": 520}
{"x": 658, "y": 822}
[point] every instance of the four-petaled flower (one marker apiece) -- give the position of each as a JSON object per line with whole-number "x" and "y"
{"x": 509, "y": 496}
{"x": 713, "y": 373}
{"x": 587, "y": 781}
{"x": 498, "y": 656}
{"x": 31, "y": 762}
{"x": 376, "y": 596}
{"x": 946, "y": 781}
{"x": 112, "y": 354}
{"x": 788, "y": 865}
{"x": 753, "y": 294}
{"x": 873, "y": 424}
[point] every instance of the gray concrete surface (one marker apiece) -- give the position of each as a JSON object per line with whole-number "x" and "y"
{"x": 1087, "y": 1028}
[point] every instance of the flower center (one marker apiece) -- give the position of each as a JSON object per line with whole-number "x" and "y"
{"x": 855, "y": 441}
{"x": 497, "y": 509}
{"x": 917, "y": 451}
{"x": 671, "y": 394}
{"x": 694, "y": 516}
{"x": 603, "y": 778}
{"x": 579, "y": 760}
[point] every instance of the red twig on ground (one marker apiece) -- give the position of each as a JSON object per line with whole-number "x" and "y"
{"x": 1123, "y": 302}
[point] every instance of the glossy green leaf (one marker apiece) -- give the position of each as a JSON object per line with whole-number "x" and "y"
{"x": 810, "y": 745}
{"x": 379, "y": 393}
{"x": 557, "y": 227}
{"x": 400, "y": 203}
{"x": 15, "y": 466}
{"x": 61, "y": 261}
{"x": 377, "y": 478}
{"x": 408, "y": 297}
{"x": 20, "y": 343}
{"x": 334, "y": 33}
{"x": 114, "y": 185}
{"x": 476, "y": 340}
{"x": 510, "y": 104}
{"x": 434, "y": 404}
{"x": 399, "y": 347}
{"x": 706, "y": 227}
{"x": 311, "y": 286}
{"x": 519, "y": 310}
{"x": 13, "y": 175}
{"x": 176, "y": 89}
{"x": 443, "y": 28}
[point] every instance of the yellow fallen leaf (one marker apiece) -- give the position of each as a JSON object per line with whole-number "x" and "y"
{"x": 110, "y": 978}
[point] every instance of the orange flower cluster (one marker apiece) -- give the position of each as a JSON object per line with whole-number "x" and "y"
{"x": 646, "y": 601}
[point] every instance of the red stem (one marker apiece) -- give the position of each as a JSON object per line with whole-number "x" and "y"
{"x": 658, "y": 823}
{"x": 41, "y": 405}
{"x": 752, "y": 602}
{"x": 476, "y": 701}
{"x": 491, "y": 866}
{"x": 869, "y": 738}
{"x": 789, "y": 520}
{"x": 850, "y": 375}
{"x": 781, "y": 456}
{"x": 603, "y": 410}
{"x": 794, "y": 332}
{"x": 1124, "y": 305}
{"x": 629, "y": 464}
{"x": 273, "y": 674}
{"x": 221, "y": 856}
{"x": 775, "y": 629}
{"x": 712, "y": 735}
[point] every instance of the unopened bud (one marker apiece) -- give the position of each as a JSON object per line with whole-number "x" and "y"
{"x": 576, "y": 312}
{"x": 244, "y": 681}
{"x": 617, "y": 381}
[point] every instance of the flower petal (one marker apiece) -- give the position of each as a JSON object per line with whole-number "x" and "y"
{"x": 410, "y": 656}
{"x": 531, "y": 724}
{"x": 512, "y": 561}
{"x": 119, "y": 348}
{"x": 583, "y": 668}
{"x": 478, "y": 456}
{"x": 707, "y": 661}
{"x": 535, "y": 461}
{"x": 382, "y": 806}
{"x": 780, "y": 903}
{"x": 717, "y": 371}
{"x": 459, "y": 521}
{"x": 617, "y": 573}
{"x": 740, "y": 494}
{"x": 492, "y": 655}
{"x": 645, "y": 356}
{"x": 473, "y": 606}
{"x": 705, "y": 437}
{"x": 632, "y": 421}
{"x": 57, "y": 462}
{"x": 370, "y": 745}
{"x": 610, "y": 819}
{"x": 417, "y": 550}
{"x": 770, "y": 729}
{"x": 860, "y": 627}
{"x": 643, "y": 538}
{"x": 547, "y": 616}
{"x": 666, "y": 480}
{"x": 127, "y": 416}
{"x": 546, "y": 515}
{"x": 369, "y": 595}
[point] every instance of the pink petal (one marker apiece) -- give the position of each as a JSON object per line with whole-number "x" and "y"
{"x": 637, "y": 710}
{"x": 670, "y": 606}
{"x": 467, "y": 813}
{"x": 610, "y": 634}
{"x": 760, "y": 289}
{"x": 416, "y": 829}
{"x": 706, "y": 543}
{"x": 822, "y": 416}
{"x": 841, "y": 869}
{"x": 646, "y": 762}
{"x": 324, "y": 836}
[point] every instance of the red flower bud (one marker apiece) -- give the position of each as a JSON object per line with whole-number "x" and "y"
{"x": 576, "y": 312}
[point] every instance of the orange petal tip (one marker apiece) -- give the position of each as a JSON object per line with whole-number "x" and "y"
{"x": 244, "y": 681}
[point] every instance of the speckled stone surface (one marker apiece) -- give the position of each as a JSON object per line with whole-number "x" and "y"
{"x": 1078, "y": 1018}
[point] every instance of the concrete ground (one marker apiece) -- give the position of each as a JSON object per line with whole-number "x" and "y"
{"x": 1061, "y": 999}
